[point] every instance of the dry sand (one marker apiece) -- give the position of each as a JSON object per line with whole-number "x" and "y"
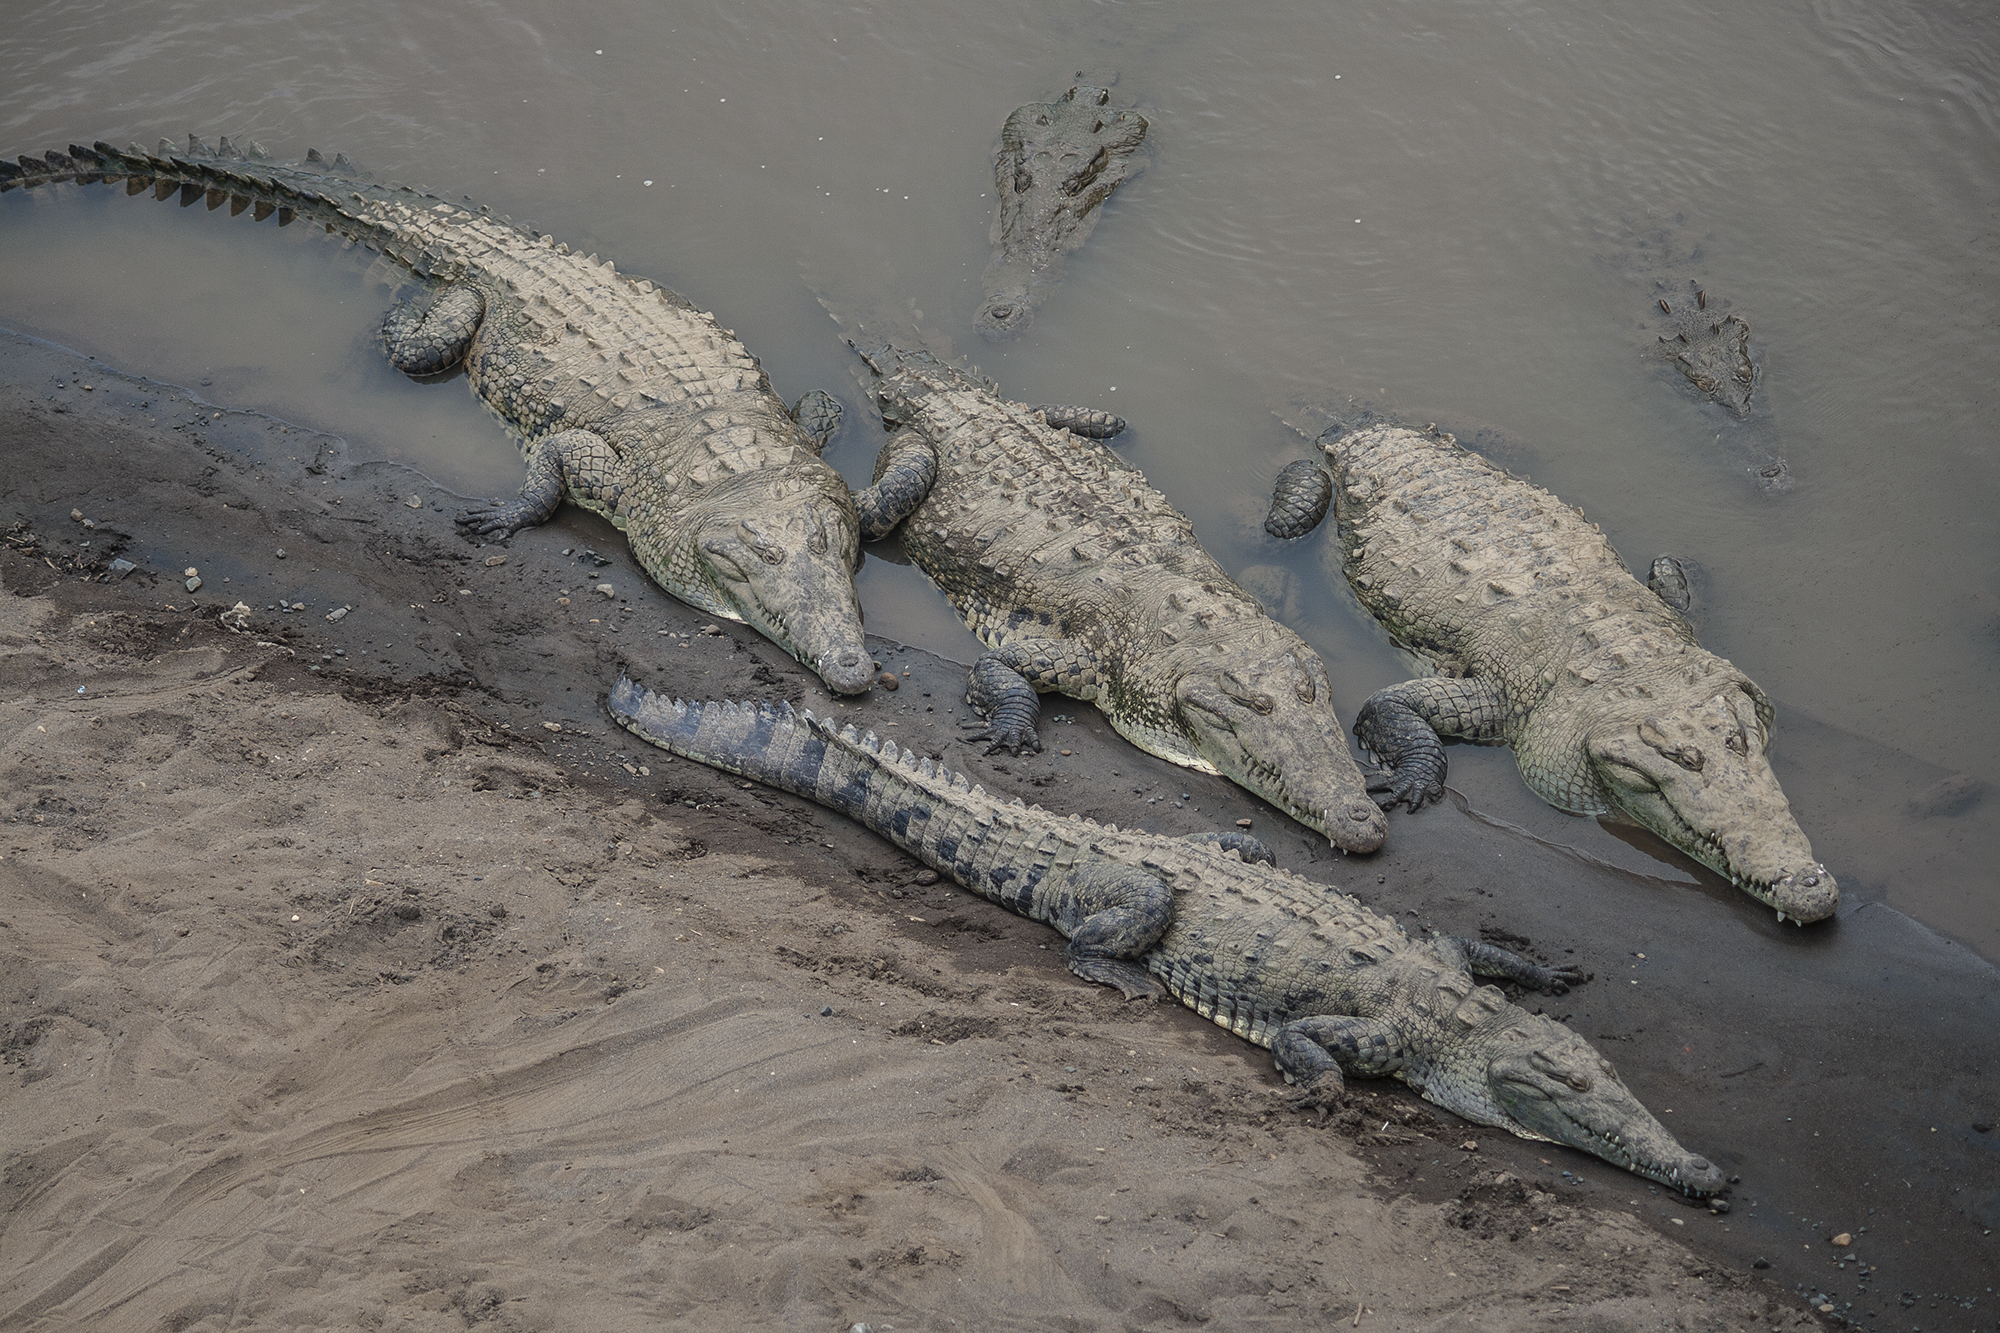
{"x": 397, "y": 989}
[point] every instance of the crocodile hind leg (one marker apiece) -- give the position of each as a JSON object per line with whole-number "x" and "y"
{"x": 431, "y": 336}
{"x": 818, "y": 414}
{"x": 1490, "y": 960}
{"x": 1005, "y": 681}
{"x": 1317, "y": 1053}
{"x": 577, "y": 463}
{"x": 905, "y": 470}
{"x": 1114, "y": 914}
{"x": 1401, "y": 726}
{"x": 1089, "y": 422}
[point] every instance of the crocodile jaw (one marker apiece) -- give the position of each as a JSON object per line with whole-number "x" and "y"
{"x": 786, "y": 569}
{"x": 1268, "y": 726}
{"x": 1542, "y": 1081}
{"x": 1699, "y": 779}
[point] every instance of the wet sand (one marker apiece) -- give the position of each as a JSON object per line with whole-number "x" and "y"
{"x": 359, "y": 972}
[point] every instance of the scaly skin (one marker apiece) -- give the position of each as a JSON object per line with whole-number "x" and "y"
{"x": 1546, "y": 643}
{"x": 1084, "y": 580}
{"x": 628, "y": 400}
{"x": 1057, "y": 162}
{"x": 1331, "y": 988}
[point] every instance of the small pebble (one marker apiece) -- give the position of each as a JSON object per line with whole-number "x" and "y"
{"x": 497, "y": 912}
{"x": 76, "y": 515}
{"x": 338, "y": 613}
{"x": 606, "y": 590}
{"x": 551, "y": 726}
{"x": 926, "y": 877}
{"x": 826, "y": 1011}
{"x": 1066, "y": 752}
{"x": 281, "y": 553}
{"x": 1470, "y": 1145}
{"x": 192, "y": 583}
{"x": 888, "y": 682}
{"x": 189, "y": 572}
{"x": 415, "y": 502}
{"x": 1844, "y": 1239}
{"x": 1242, "y": 823}
{"x": 494, "y": 560}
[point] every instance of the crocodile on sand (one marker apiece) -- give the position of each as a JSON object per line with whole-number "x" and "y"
{"x": 1544, "y": 642}
{"x": 1331, "y": 988}
{"x": 1057, "y": 162}
{"x": 628, "y": 400}
{"x": 1083, "y": 579}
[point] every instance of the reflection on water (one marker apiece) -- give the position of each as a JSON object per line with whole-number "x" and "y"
{"x": 1420, "y": 207}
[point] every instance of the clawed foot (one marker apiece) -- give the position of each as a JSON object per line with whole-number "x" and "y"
{"x": 1013, "y": 738}
{"x": 1558, "y": 980}
{"x": 1409, "y": 789}
{"x": 1132, "y": 981}
{"x": 1326, "y": 1094}
{"x": 501, "y": 519}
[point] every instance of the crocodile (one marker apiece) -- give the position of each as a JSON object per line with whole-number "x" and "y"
{"x": 1058, "y": 161}
{"x": 1083, "y": 579}
{"x": 628, "y": 400}
{"x": 1543, "y": 641}
{"x": 1331, "y": 988}
{"x": 1706, "y": 344}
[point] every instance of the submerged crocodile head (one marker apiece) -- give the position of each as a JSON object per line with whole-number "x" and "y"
{"x": 1710, "y": 349}
{"x": 1530, "y": 1075}
{"x": 780, "y": 556}
{"x": 1697, "y": 776}
{"x": 1268, "y": 725}
{"x": 1058, "y": 162}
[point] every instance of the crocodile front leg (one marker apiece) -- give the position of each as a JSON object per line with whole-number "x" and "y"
{"x": 1005, "y": 681}
{"x": 1317, "y": 1053}
{"x": 904, "y": 473}
{"x": 429, "y": 337}
{"x": 1401, "y": 726}
{"x": 1490, "y": 960}
{"x": 575, "y": 462}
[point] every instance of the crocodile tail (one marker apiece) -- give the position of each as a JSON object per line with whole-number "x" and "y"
{"x": 316, "y": 189}
{"x": 915, "y": 802}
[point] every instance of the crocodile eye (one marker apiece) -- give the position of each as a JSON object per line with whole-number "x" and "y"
{"x": 1306, "y": 692}
{"x": 1738, "y": 744}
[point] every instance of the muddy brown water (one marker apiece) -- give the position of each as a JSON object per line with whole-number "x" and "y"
{"x": 1429, "y": 210}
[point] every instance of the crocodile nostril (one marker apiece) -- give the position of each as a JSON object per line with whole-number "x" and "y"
{"x": 1364, "y": 812}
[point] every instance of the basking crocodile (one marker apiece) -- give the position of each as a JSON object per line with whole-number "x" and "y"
{"x": 627, "y": 399}
{"x": 1545, "y": 643}
{"x": 1057, "y": 162}
{"x": 1082, "y": 579}
{"x": 1331, "y": 988}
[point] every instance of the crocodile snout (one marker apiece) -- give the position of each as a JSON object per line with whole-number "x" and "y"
{"x": 849, "y": 671}
{"x": 1807, "y": 894}
{"x": 1359, "y": 826}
